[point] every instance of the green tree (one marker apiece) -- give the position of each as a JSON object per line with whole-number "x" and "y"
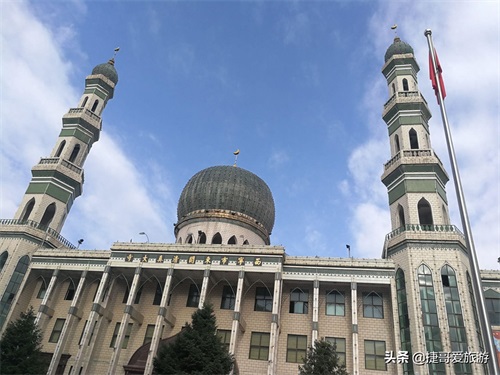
{"x": 322, "y": 360}
{"x": 198, "y": 350}
{"x": 20, "y": 347}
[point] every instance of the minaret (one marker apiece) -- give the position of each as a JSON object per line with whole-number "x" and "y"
{"x": 436, "y": 310}
{"x": 57, "y": 181}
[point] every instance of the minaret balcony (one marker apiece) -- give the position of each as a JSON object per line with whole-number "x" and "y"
{"x": 34, "y": 231}
{"x": 403, "y": 97}
{"x": 82, "y": 112}
{"x": 428, "y": 233}
{"x": 413, "y": 157}
{"x": 61, "y": 165}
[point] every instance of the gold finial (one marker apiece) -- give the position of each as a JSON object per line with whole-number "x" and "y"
{"x": 236, "y": 153}
{"x": 395, "y": 27}
{"x": 116, "y": 51}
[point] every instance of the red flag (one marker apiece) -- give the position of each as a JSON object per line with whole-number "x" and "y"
{"x": 433, "y": 76}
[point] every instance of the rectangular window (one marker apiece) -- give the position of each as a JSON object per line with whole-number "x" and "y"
{"x": 126, "y": 338}
{"x": 150, "y": 329}
{"x": 194, "y": 296}
{"x": 340, "y": 348}
{"x": 259, "y": 346}
{"x": 493, "y": 308}
{"x": 83, "y": 331}
{"x": 296, "y": 348}
{"x": 158, "y": 293}
{"x": 299, "y": 301}
{"x": 375, "y": 355}
{"x": 228, "y": 298}
{"x": 41, "y": 292}
{"x": 56, "y": 331}
{"x": 263, "y": 299}
{"x": 225, "y": 337}
{"x": 335, "y": 303}
{"x": 70, "y": 293}
{"x": 373, "y": 306}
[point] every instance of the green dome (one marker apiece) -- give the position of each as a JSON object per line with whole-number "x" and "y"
{"x": 107, "y": 70}
{"x": 397, "y": 48}
{"x": 228, "y": 188}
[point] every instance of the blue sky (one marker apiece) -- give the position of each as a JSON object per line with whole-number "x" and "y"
{"x": 296, "y": 86}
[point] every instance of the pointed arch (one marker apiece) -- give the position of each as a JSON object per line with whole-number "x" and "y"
{"x": 393, "y": 88}
{"x": 179, "y": 240}
{"x": 3, "y": 259}
{"x": 424, "y": 212}
{"x": 70, "y": 292}
{"x": 43, "y": 288}
{"x": 413, "y": 139}
{"x": 401, "y": 216}
{"x": 189, "y": 239}
{"x": 85, "y": 101}
{"x": 217, "y": 239}
{"x": 396, "y": 143}
{"x": 28, "y": 209}
{"x": 246, "y": 242}
{"x": 202, "y": 237}
{"x": 232, "y": 241}
{"x": 74, "y": 153}
{"x": 48, "y": 215}
{"x": 60, "y": 149}
{"x": 405, "y": 85}
{"x": 94, "y": 106}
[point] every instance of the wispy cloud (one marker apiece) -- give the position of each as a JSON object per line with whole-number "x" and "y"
{"x": 118, "y": 203}
{"x": 278, "y": 158}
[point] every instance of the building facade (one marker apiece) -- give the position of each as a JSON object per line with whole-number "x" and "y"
{"x": 107, "y": 312}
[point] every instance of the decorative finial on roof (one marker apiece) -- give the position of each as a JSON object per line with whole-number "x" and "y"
{"x": 395, "y": 27}
{"x": 112, "y": 60}
{"x": 236, "y": 153}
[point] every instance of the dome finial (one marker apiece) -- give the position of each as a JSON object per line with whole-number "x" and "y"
{"x": 236, "y": 153}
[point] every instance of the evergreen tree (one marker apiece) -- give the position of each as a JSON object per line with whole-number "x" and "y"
{"x": 198, "y": 350}
{"x": 322, "y": 360}
{"x": 20, "y": 347}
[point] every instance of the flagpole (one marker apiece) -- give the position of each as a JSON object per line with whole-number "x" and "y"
{"x": 469, "y": 241}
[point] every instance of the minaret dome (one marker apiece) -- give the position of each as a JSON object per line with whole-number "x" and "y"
{"x": 398, "y": 47}
{"x": 107, "y": 70}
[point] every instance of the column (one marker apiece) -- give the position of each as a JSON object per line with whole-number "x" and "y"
{"x": 160, "y": 319}
{"x": 44, "y": 308}
{"x": 236, "y": 315}
{"x": 354, "y": 317}
{"x": 124, "y": 323}
{"x": 95, "y": 313}
{"x": 73, "y": 311}
{"x": 273, "y": 340}
{"x": 314, "y": 335}
{"x": 204, "y": 286}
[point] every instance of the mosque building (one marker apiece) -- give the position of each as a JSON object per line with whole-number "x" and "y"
{"x": 107, "y": 312}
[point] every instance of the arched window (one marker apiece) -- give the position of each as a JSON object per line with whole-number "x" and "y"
{"x": 396, "y": 143}
{"x": 393, "y": 89}
{"x": 28, "y": 209}
{"x": 202, "y": 237}
{"x": 13, "y": 287}
{"x": 404, "y": 320}
{"x": 42, "y": 290}
{"x": 232, "y": 240}
{"x": 401, "y": 216}
{"x": 85, "y": 101}
{"x": 246, "y": 242}
{"x": 405, "y": 84}
{"x": 429, "y": 316}
{"x": 424, "y": 212}
{"x": 189, "y": 239}
{"x": 413, "y": 139}
{"x": 48, "y": 215}
{"x": 94, "y": 107}
{"x": 70, "y": 293}
{"x": 60, "y": 149}
{"x": 74, "y": 153}
{"x": 179, "y": 240}
{"x": 217, "y": 239}
{"x": 3, "y": 259}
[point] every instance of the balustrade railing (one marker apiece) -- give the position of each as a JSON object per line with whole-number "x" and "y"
{"x": 409, "y": 154}
{"x": 423, "y": 228}
{"x": 404, "y": 96}
{"x": 63, "y": 162}
{"x": 33, "y": 224}
{"x": 85, "y": 111}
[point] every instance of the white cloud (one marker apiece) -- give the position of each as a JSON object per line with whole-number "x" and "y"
{"x": 36, "y": 92}
{"x": 467, "y": 39}
{"x": 278, "y": 158}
